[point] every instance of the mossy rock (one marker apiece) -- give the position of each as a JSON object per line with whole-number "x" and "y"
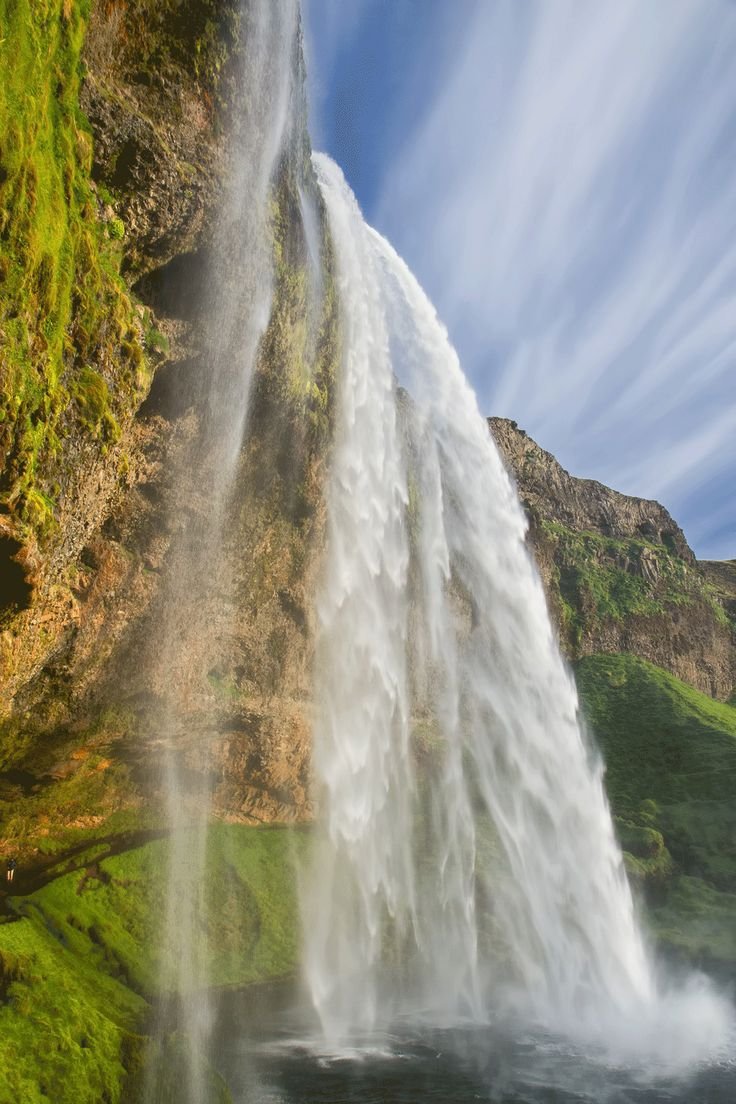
{"x": 603, "y": 580}
{"x": 68, "y": 328}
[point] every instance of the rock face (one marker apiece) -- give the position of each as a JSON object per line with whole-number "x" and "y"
{"x": 155, "y": 92}
{"x": 85, "y": 667}
{"x": 155, "y": 85}
{"x": 619, "y": 574}
{"x": 721, "y": 574}
{"x": 551, "y": 494}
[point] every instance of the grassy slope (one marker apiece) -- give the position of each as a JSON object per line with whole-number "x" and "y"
{"x": 671, "y": 767}
{"x": 79, "y": 967}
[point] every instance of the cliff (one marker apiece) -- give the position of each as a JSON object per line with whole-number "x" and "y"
{"x": 104, "y": 422}
{"x": 619, "y": 574}
{"x": 112, "y": 451}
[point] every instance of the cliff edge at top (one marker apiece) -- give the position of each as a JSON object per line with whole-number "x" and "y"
{"x": 619, "y": 573}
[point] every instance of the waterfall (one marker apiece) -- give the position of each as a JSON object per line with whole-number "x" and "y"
{"x": 466, "y": 857}
{"x": 236, "y": 302}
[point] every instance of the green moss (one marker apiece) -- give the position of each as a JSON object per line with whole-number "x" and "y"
{"x": 253, "y": 916}
{"x": 103, "y": 913}
{"x": 661, "y": 739}
{"x": 63, "y": 306}
{"x": 66, "y": 1027}
{"x": 80, "y": 967}
{"x": 107, "y": 908}
{"x": 603, "y": 579}
{"x": 156, "y": 341}
{"x": 224, "y": 686}
{"x": 92, "y": 395}
{"x": 697, "y": 924}
{"x": 647, "y": 858}
{"x": 116, "y": 228}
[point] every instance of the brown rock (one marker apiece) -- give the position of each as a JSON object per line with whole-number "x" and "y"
{"x": 677, "y": 613}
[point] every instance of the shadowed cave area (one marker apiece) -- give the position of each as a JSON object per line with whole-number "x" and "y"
{"x": 15, "y": 590}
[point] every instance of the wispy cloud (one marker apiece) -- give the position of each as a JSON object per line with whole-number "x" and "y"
{"x": 568, "y": 198}
{"x": 336, "y": 22}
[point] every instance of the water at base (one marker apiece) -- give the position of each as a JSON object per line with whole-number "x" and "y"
{"x": 268, "y": 1053}
{"x": 467, "y": 859}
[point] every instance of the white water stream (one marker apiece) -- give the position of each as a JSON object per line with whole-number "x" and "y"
{"x": 238, "y": 299}
{"x": 467, "y": 857}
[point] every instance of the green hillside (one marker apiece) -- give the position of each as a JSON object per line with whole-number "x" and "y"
{"x": 670, "y": 753}
{"x": 80, "y": 960}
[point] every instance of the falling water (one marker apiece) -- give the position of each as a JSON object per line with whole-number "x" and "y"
{"x": 467, "y": 855}
{"x": 236, "y": 303}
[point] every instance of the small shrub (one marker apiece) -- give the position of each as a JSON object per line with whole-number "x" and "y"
{"x": 157, "y": 342}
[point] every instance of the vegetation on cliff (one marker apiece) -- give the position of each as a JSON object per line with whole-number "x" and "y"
{"x": 619, "y": 574}
{"x": 70, "y": 340}
{"x": 602, "y": 578}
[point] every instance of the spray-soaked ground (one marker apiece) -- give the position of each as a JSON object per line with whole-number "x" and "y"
{"x": 268, "y": 1056}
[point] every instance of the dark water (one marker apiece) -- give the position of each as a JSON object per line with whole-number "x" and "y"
{"x": 267, "y": 1057}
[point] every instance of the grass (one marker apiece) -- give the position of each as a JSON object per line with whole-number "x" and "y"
{"x": 661, "y": 739}
{"x": 670, "y": 753}
{"x": 253, "y": 924}
{"x": 67, "y": 1029}
{"x": 79, "y": 968}
{"x": 103, "y": 913}
{"x": 697, "y": 924}
{"x": 107, "y": 905}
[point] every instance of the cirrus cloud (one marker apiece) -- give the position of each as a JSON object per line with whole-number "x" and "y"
{"x": 567, "y": 195}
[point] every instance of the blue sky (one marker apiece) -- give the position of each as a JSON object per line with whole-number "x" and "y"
{"x": 561, "y": 177}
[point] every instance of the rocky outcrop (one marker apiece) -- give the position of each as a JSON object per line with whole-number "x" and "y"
{"x": 721, "y": 574}
{"x": 619, "y": 574}
{"x": 142, "y": 185}
{"x": 550, "y": 493}
{"x": 158, "y": 84}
